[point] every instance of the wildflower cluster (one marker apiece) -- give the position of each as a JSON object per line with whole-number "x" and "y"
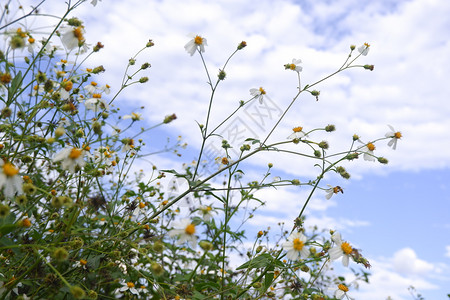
{"x": 75, "y": 222}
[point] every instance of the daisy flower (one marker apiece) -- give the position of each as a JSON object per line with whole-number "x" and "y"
{"x": 206, "y": 212}
{"x": 92, "y": 87}
{"x": 96, "y": 103}
{"x": 341, "y": 249}
{"x": 295, "y": 246}
{"x": 258, "y": 93}
{"x": 333, "y": 190}
{"x": 185, "y": 231}
{"x": 133, "y": 116}
{"x": 298, "y": 133}
{"x": 341, "y": 292}
{"x": 70, "y": 158}
{"x": 368, "y": 152}
{"x": 129, "y": 286}
{"x": 364, "y": 49}
{"x": 72, "y": 37}
{"x": 395, "y": 135}
{"x": 294, "y": 66}
{"x": 197, "y": 42}
{"x": 10, "y": 179}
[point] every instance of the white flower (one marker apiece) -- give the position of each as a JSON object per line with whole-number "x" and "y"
{"x": 91, "y": 88}
{"x": 10, "y": 179}
{"x": 295, "y": 65}
{"x": 364, "y": 49}
{"x": 341, "y": 249}
{"x": 72, "y": 37}
{"x": 298, "y": 133}
{"x": 197, "y": 42}
{"x": 341, "y": 292}
{"x": 395, "y": 135}
{"x": 37, "y": 89}
{"x": 96, "y": 103}
{"x": 143, "y": 289}
{"x": 368, "y": 151}
{"x": 70, "y": 158}
{"x": 129, "y": 286}
{"x": 333, "y": 190}
{"x": 185, "y": 231}
{"x": 106, "y": 89}
{"x": 81, "y": 264}
{"x": 295, "y": 246}
{"x": 133, "y": 116}
{"x": 258, "y": 93}
{"x": 206, "y": 212}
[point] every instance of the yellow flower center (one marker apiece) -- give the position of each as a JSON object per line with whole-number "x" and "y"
{"x": 298, "y": 129}
{"x": 97, "y": 96}
{"x": 26, "y": 222}
{"x": 298, "y": 244}
{"x": 83, "y": 262}
{"x": 31, "y": 40}
{"x": 263, "y": 92}
{"x": 346, "y": 248}
{"x": 398, "y": 135}
{"x": 75, "y": 153}
{"x": 190, "y": 229}
{"x": 292, "y": 66}
{"x": 198, "y": 40}
{"x": 370, "y": 146}
{"x": 93, "y": 83}
{"x": 130, "y": 285}
{"x": 225, "y": 161}
{"x": 9, "y": 170}
{"x": 63, "y": 61}
{"x": 367, "y": 45}
{"x": 78, "y": 33}
{"x": 68, "y": 85}
{"x": 343, "y": 288}
{"x": 141, "y": 204}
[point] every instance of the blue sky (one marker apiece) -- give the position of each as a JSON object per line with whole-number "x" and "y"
{"x": 398, "y": 214}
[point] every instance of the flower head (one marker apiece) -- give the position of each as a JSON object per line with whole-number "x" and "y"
{"x": 333, "y": 190}
{"x": 129, "y": 286}
{"x": 341, "y": 292}
{"x": 70, "y": 158}
{"x": 258, "y": 93}
{"x": 341, "y": 249}
{"x": 197, "y": 42}
{"x": 133, "y": 116}
{"x": 96, "y": 103}
{"x": 294, "y": 66}
{"x": 185, "y": 231}
{"x": 395, "y": 135}
{"x": 368, "y": 149}
{"x": 10, "y": 179}
{"x": 295, "y": 246}
{"x": 72, "y": 37}
{"x": 206, "y": 211}
{"x": 364, "y": 49}
{"x": 297, "y": 134}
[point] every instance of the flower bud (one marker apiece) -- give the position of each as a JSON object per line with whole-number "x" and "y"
{"x": 330, "y": 128}
{"x": 157, "y": 269}
{"x": 60, "y": 254}
{"x": 369, "y": 67}
{"x": 169, "y": 118}
{"x": 149, "y": 44}
{"x": 206, "y": 245}
{"x": 222, "y": 75}
{"x": 382, "y": 160}
{"x": 143, "y": 79}
{"x": 241, "y": 45}
{"x": 77, "y": 292}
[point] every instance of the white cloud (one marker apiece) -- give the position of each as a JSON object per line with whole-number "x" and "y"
{"x": 406, "y": 261}
{"x": 447, "y": 251}
{"x": 392, "y": 276}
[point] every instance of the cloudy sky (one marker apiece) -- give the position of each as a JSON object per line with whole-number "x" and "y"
{"x": 397, "y": 214}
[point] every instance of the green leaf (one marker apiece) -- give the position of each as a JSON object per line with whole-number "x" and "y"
{"x": 268, "y": 279}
